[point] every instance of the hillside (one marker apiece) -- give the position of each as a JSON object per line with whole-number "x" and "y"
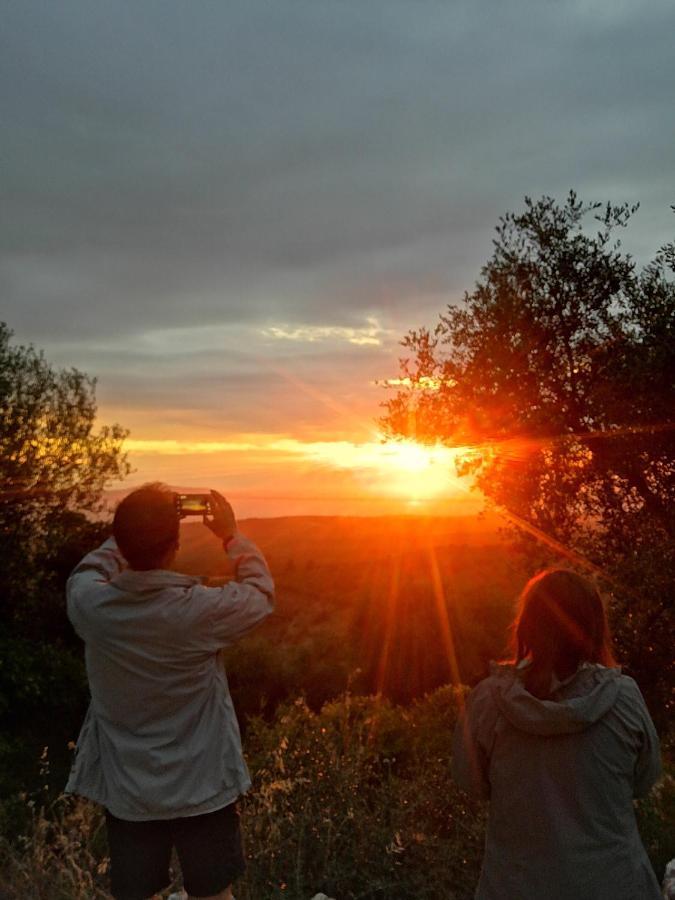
{"x": 397, "y": 605}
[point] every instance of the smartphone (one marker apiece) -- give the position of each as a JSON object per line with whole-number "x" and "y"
{"x": 193, "y": 504}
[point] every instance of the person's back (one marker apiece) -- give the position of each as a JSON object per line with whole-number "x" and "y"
{"x": 160, "y": 746}
{"x": 561, "y": 771}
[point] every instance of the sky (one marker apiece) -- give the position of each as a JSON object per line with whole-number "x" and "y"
{"x": 230, "y": 213}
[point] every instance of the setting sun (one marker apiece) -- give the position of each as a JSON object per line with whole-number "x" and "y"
{"x": 411, "y": 470}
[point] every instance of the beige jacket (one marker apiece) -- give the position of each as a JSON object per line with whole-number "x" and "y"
{"x": 161, "y": 738}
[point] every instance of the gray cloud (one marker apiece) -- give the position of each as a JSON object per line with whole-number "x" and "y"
{"x": 247, "y": 164}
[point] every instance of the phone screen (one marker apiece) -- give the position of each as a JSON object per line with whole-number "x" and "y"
{"x": 194, "y": 504}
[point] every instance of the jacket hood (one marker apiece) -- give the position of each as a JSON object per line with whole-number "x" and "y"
{"x": 575, "y": 704}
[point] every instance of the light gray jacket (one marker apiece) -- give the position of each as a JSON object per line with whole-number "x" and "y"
{"x": 161, "y": 738}
{"x": 561, "y": 775}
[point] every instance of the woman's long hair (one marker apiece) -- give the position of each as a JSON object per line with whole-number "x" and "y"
{"x": 560, "y": 624}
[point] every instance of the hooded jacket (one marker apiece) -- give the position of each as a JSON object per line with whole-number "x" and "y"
{"x": 560, "y": 775}
{"x": 161, "y": 738}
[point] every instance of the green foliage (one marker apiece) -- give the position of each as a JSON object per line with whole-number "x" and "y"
{"x": 34, "y": 676}
{"x": 51, "y": 455}
{"x": 52, "y": 465}
{"x": 558, "y": 369}
{"x": 43, "y": 696}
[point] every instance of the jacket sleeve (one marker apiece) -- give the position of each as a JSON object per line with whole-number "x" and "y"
{"x": 228, "y": 613}
{"x": 472, "y": 742}
{"x": 96, "y": 568}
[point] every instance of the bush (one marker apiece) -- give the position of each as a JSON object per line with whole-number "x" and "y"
{"x": 39, "y": 683}
{"x": 656, "y": 821}
{"x": 61, "y": 855}
{"x": 356, "y": 801}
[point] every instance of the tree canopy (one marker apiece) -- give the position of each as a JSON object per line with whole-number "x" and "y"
{"x": 49, "y": 447}
{"x": 54, "y": 464}
{"x": 557, "y": 373}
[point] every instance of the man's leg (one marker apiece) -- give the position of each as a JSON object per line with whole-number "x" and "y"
{"x": 210, "y": 853}
{"x": 140, "y": 853}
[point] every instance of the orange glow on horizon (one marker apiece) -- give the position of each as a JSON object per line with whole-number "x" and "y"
{"x": 403, "y": 470}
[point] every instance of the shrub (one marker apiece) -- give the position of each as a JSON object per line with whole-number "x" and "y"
{"x": 61, "y": 855}
{"x": 356, "y": 801}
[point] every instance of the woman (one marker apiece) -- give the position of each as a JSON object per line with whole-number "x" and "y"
{"x": 560, "y": 742}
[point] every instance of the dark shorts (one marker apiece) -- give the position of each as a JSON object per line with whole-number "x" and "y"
{"x": 208, "y": 846}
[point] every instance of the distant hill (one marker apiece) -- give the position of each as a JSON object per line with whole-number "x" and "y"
{"x": 326, "y": 541}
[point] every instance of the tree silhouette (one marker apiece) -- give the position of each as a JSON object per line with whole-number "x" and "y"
{"x": 53, "y": 468}
{"x": 557, "y": 374}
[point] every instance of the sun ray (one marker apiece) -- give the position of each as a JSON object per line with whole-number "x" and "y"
{"x": 443, "y": 617}
{"x": 390, "y": 614}
{"x": 560, "y": 548}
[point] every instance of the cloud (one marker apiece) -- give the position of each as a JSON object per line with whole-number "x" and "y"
{"x": 423, "y": 383}
{"x": 372, "y": 334}
{"x": 195, "y": 196}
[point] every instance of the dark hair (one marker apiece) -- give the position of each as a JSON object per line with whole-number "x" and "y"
{"x": 560, "y": 624}
{"x": 146, "y": 526}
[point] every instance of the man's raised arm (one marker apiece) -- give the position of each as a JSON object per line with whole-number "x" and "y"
{"x": 239, "y": 606}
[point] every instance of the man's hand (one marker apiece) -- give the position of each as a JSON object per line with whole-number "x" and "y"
{"x": 223, "y": 523}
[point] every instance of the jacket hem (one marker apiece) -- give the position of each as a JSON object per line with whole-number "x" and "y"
{"x": 213, "y": 804}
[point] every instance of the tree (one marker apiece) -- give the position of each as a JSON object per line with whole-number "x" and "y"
{"x": 557, "y": 373}
{"x": 53, "y": 468}
{"x": 53, "y": 465}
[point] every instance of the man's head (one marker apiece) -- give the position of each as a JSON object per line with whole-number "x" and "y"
{"x": 146, "y": 527}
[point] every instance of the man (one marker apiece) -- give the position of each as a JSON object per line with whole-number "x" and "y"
{"x": 160, "y": 746}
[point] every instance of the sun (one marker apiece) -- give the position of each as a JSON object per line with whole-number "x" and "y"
{"x": 399, "y": 469}
{"x": 417, "y": 472}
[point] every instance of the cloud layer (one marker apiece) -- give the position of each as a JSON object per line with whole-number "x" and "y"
{"x": 230, "y": 212}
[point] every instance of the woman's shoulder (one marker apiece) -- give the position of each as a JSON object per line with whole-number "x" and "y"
{"x": 628, "y": 686}
{"x": 499, "y": 674}
{"x": 630, "y": 696}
